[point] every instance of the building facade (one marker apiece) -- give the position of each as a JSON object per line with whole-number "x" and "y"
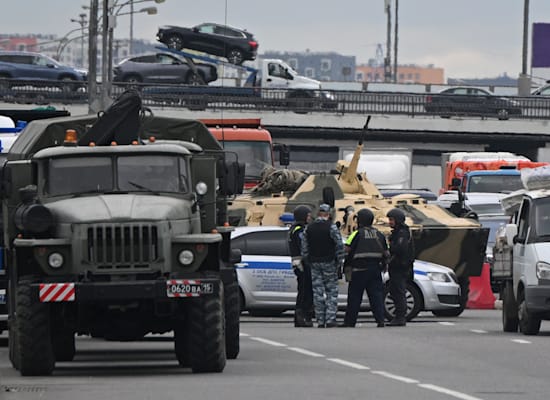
{"x": 405, "y": 74}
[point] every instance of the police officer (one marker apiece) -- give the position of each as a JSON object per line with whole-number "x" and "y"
{"x": 367, "y": 251}
{"x": 323, "y": 249}
{"x": 304, "y": 300}
{"x": 400, "y": 265}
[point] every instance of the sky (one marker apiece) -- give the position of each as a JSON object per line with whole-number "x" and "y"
{"x": 468, "y": 38}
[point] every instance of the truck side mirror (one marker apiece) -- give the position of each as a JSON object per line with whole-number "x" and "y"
{"x": 511, "y": 232}
{"x": 284, "y": 155}
{"x": 231, "y": 175}
{"x": 456, "y": 182}
{"x": 5, "y": 181}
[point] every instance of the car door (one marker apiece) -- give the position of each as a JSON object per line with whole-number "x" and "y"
{"x": 278, "y": 76}
{"x": 205, "y": 39}
{"x": 265, "y": 273}
{"x": 521, "y": 251}
{"x": 43, "y": 68}
{"x": 482, "y": 102}
{"x": 169, "y": 69}
{"x": 22, "y": 66}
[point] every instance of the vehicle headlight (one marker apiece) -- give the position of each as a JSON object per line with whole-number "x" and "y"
{"x": 438, "y": 277}
{"x": 186, "y": 257}
{"x": 543, "y": 270}
{"x": 201, "y": 188}
{"x": 55, "y": 260}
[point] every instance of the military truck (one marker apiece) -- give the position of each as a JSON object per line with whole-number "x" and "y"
{"x": 121, "y": 240}
{"x": 439, "y": 237}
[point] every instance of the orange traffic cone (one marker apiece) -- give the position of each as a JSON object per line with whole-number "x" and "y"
{"x": 481, "y": 295}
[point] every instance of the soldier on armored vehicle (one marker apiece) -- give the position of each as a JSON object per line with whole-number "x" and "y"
{"x": 119, "y": 241}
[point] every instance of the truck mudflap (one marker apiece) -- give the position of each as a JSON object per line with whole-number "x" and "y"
{"x": 115, "y": 291}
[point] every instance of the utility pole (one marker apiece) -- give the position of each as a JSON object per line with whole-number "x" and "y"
{"x": 395, "y": 41}
{"x": 93, "y": 106}
{"x": 82, "y": 21}
{"x": 387, "y": 59}
{"x": 524, "y": 81}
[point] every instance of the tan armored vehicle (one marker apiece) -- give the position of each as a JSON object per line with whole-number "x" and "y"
{"x": 439, "y": 236}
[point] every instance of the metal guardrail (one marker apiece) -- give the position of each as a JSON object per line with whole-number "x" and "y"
{"x": 246, "y": 99}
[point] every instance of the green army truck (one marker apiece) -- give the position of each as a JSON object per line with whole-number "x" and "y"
{"x": 119, "y": 241}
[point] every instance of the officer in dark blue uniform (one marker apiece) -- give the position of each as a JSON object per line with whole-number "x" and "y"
{"x": 367, "y": 251}
{"x": 400, "y": 265}
{"x": 304, "y": 300}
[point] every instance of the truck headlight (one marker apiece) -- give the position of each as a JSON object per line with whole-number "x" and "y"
{"x": 438, "y": 277}
{"x": 543, "y": 270}
{"x": 55, "y": 260}
{"x": 186, "y": 257}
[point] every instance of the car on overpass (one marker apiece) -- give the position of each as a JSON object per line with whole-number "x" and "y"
{"x": 268, "y": 284}
{"x": 474, "y": 101}
{"x": 162, "y": 68}
{"x": 237, "y": 45}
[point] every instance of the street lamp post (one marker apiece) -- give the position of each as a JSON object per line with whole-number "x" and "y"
{"x": 524, "y": 81}
{"x": 387, "y": 59}
{"x": 82, "y": 21}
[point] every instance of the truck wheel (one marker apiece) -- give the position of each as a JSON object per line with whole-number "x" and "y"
{"x": 36, "y": 356}
{"x": 414, "y": 303}
{"x": 529, "y": 324}
{"x": 509, "y": 309}
{"x": 63, "y": 345}
{"x": 206, "y": 333}
{"x": 232, "y": 319}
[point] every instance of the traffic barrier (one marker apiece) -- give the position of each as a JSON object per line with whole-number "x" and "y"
{"x": 481, "y": 295}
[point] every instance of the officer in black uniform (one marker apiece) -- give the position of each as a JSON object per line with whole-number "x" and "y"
{"x": 304, "y": 300}
{"x": 400, "y": 265}
{"x": 367, "y": 251}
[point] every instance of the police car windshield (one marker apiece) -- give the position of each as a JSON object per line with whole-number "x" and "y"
{"x": 147, "y": 173}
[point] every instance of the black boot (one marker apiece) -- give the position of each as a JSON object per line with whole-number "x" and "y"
{"x": 300, "y": 321}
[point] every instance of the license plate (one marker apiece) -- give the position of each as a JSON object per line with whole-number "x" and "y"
{"x": 188, "y": 288}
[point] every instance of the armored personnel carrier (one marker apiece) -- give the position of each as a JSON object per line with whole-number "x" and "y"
{"x": 111, "y": 234}
{"x": 439, "y": 236}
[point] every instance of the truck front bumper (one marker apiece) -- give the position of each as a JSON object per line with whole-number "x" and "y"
{"x": 83, "y": 292}
{"x": 538, "y": 298}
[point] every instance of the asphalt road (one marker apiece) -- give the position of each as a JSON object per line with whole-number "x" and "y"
{"x": 467, "y": 358}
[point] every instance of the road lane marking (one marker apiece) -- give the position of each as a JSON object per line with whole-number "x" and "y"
{"x": 305, "y": 352}
{"x": 446, "y": 323}
{"x": 448, "y": 392}
{"x": 478, "y": 331}
{"x": 521, "y": 341}
{"x": 347, "y": 363}
{"x": 267, "y": 341}
{"x": 396, "y": 377}
{"x": 244, "y": 334}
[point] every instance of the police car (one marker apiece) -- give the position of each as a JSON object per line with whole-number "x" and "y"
{"x": 268, "y": 284}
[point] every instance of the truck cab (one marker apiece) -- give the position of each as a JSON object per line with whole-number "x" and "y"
{"x": 522, "y": 261}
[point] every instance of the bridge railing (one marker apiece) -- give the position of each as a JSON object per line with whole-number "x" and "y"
{"x": 246, "y": 99}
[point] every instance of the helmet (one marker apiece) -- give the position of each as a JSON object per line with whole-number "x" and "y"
{"x": 397, "y": 214}
{"x": 365, "y": 217}
{"x": 301, "y": 212}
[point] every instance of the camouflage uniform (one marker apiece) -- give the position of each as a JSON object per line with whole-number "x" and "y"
{"x": 324, "y": 269}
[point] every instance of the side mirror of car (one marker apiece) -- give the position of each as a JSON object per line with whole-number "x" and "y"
{"x": 50, "y": 65}
{"x": 511, "y": 233}
{"x": 236, "y": 256}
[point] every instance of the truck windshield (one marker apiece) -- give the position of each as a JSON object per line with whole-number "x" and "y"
{"x": 494, "y": 183}
{"x": 151, "y": 173}
{"x": 255, "y": 155}
{"x": 542, "y": 218}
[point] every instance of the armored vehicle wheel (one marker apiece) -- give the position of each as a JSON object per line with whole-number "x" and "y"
{"x": 414, "y": 303}
{"x": 206, "y": 333}
{"x": 63, "y": 345}
{"x": 529, "y": 323}
{"x": 36, "y": 356}
{"x": 509, "y": 309}
{"x": 232, "y": 319}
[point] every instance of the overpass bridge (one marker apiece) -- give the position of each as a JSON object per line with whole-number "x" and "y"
{"x": 318, "y": 139}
